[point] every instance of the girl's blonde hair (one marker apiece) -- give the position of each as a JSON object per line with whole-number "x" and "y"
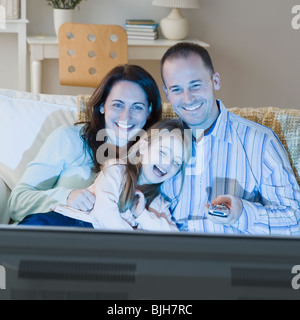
{"x": 133, "y": 162}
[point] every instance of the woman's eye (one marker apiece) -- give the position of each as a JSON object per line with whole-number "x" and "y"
{"x": 137, "y": 108}
{"x": 117, "y": 105}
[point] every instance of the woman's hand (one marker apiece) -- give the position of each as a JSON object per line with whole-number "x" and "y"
{"x": 81, "y": 199}
{"x": 139, "y": 206}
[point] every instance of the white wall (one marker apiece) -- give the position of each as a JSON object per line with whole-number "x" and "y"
{"x": 8, "y": 58}
{"x": 92, "y": 11}
{"x": 255, "y": 49}
{"x": 253, "y": 45}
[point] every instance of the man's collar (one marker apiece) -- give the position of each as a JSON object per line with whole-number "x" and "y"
{"x": 220, "y": 128}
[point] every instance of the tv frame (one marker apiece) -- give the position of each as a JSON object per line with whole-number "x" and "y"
{"x": 72, "y": 263}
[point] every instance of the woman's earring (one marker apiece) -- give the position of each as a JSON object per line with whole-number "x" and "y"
{"x": 102, "y": 109}
{"x": 149, "y": 110}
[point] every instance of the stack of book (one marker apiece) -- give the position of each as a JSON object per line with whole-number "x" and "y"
{"x": 141, "y": 29}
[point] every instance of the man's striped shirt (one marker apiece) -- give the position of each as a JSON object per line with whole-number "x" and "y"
{"x": 245, "y": 159}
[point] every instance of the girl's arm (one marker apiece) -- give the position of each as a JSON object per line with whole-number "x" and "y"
{"x": 156, "y": 218}
{"x": 107, "y": 189}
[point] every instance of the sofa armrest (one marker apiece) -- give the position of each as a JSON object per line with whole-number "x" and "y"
{"x": 4, "y": 196}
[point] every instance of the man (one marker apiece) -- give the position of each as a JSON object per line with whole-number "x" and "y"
{"x": 235, "y": 162}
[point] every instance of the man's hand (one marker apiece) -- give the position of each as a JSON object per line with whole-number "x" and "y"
{"x": 81, "y": 199}
{"x": 233, "y": 203}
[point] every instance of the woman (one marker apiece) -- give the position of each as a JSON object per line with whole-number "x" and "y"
{"x": 67, "y": 163}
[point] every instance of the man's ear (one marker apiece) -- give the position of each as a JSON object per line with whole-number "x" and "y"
{"x": 216, "y": 81}
{"x": 143, "y": 145}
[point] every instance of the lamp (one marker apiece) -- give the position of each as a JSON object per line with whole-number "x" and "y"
{"x": 175, "y": 26}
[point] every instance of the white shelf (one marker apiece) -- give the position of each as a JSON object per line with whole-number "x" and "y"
{"x": 16, "y": 21}
{"x": 46, "y": 47}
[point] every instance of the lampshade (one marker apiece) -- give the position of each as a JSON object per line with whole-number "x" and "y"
{"x": 176, "y": 3}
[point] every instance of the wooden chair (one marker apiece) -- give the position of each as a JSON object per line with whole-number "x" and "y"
{"x": 87, "y": 52}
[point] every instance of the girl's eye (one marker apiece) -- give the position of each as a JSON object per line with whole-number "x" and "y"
{"x": 162, "y": 153}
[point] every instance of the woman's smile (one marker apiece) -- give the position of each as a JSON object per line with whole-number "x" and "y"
{"x": 124, "y": 125}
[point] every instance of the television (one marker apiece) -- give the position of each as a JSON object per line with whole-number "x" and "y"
{"x": 59, "y": 263}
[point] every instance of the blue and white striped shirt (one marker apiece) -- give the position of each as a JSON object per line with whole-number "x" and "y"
{"x": 245, "y": 159}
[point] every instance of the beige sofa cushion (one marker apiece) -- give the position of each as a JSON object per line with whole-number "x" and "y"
{"x": 84, "y": 114}
{"x": 284, "y": 122}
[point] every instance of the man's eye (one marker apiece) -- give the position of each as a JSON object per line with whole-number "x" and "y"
{"x": 197, "y": 86}
{"x": 176, "y": 90}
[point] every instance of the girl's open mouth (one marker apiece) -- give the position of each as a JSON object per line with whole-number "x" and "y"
{"x": 159, "y": 171}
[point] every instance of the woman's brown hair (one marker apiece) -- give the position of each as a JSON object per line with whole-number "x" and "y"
{"x": 125, "y": 72}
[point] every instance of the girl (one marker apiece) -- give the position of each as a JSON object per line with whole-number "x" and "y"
{"x": 127, "y": 191}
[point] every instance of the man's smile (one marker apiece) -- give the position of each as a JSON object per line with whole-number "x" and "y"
{"x": 193, "y": 107}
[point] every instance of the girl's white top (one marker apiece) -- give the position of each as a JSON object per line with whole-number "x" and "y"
{"x": 106, "y": 215}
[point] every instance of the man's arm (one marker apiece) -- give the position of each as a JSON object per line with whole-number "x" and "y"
{"x": 278, "y": 212}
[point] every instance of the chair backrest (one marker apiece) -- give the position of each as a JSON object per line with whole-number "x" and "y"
{"x": 87, "y": 52}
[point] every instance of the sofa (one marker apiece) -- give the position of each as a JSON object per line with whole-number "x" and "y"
{"x": 27, "y": 119}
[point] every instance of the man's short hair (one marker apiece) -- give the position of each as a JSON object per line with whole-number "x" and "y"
{"x": 184, "y": 50}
